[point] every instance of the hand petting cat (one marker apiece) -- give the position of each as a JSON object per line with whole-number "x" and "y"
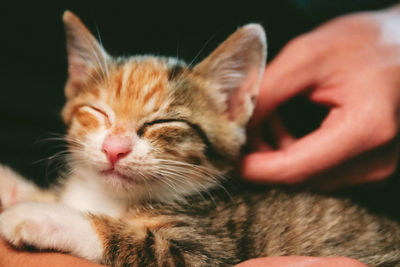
{"x": 351, "y": 65}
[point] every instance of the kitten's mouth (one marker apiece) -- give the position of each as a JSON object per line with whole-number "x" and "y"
{"x": 114, "y": 173}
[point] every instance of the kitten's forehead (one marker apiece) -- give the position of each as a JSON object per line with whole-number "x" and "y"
{"x": 138, "y": 87}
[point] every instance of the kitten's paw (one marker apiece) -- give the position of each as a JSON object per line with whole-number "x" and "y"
{"x": 14, "y": 188}
{"x": 29, "y": 224}
{"x": 51, "y": 226}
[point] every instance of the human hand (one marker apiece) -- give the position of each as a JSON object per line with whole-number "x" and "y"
{"x": 297, "y": 261}
{"x": 12, "y": 257}
{"x": 351, "y": 65}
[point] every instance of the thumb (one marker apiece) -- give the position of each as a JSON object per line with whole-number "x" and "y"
{"x": 295, "y": 69}
{"x": 335, "y": 141}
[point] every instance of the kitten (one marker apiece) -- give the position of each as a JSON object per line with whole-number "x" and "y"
{"x": 152, "y": 142}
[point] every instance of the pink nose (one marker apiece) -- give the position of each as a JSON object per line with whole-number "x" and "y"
{"x": 116, "y": 147}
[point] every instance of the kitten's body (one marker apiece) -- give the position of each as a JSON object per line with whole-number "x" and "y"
{"x": 152, "y": 142}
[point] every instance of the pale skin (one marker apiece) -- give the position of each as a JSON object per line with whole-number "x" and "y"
{"x": 352, "y": 65}
{"x": 12, "y": 257}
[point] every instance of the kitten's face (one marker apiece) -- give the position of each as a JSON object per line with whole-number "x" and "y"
{"x": 152, "y": 128}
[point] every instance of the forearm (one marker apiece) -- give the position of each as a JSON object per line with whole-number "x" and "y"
{"x": 12, "y": 257}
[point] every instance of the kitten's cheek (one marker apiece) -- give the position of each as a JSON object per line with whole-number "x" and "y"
{"x": 141, "y": 149}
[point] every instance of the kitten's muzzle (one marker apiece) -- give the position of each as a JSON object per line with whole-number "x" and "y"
{"x": 116, "y": 147}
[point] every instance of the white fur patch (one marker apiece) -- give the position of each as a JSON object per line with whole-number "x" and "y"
{"x": 51, "y": 226}
{"x": 88, "y": 195}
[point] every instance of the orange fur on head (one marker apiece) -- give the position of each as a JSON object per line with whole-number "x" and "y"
{"x": 166, "y": 109}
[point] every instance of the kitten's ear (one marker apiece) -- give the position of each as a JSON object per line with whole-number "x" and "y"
{"x": 236, "y": 67}
{"x": 86, "y": 57}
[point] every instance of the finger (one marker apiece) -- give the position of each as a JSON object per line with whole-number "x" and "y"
{"x": 283, "y": 138}
{"x": 270, "y": 135}
{"x": 294, "y": 70}
{"x": 372, "y": 166}
{"x": 335, "y": 141}
{"x": 294, "y": 261}
{"x": 301, "y": 261}
{"x": 256, "y": 141}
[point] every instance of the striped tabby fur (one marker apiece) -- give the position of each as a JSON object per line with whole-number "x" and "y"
{"x": 170, "y": 201}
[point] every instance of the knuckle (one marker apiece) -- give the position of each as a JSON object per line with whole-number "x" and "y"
{"x": 381, "y": 129}
{"x": 391, "y": 169}
{"x": 385, "y": 172}
{"x": 301, "y": 42}
{"x": 392, "y": 164}
{"x": 386, "y": 132}
{"x": 312, "y": 45}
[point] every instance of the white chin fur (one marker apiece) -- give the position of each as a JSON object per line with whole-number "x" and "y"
{"x": 85, "y": 189}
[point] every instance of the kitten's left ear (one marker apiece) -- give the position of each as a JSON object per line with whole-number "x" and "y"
{"x": 236, "y": 68}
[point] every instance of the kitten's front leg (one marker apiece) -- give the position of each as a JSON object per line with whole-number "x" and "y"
{"x": 51, "y": 226}
{"x": 15, "y": 189}
{"x": 148, "y": 238}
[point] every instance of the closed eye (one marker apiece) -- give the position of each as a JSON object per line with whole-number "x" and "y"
{"x": 147, "y": 124}
{"x": 210, "y": 151}
{"x": 92, "y": 109}
{"x": 97, "y": 112}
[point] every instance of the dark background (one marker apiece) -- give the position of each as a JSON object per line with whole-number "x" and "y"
{"x": 33, "y": 58}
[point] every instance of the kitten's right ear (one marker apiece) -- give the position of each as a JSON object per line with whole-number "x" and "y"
{"x": 86, "y": 57}
{"x": 236, "y": 68}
